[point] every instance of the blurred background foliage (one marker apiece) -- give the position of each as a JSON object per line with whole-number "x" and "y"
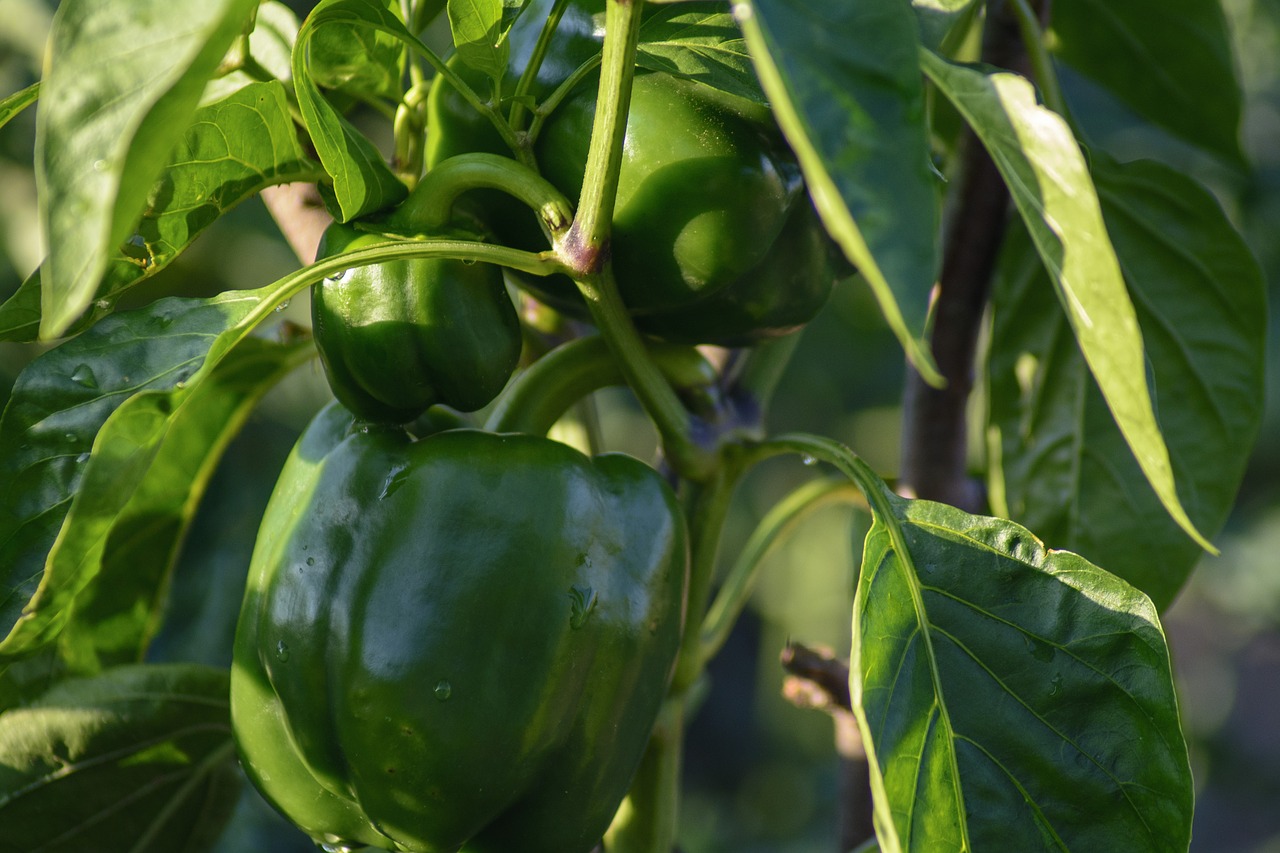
{"x": 762, "y": 774}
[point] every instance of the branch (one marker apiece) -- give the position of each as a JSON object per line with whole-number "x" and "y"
{"x": 935, "y": 429}
{"x": 301, "y": 216}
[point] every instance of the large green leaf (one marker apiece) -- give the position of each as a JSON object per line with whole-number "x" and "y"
{"x": 1169, "y": 60}
{"x": 55, "y": 443}
{"x": 114, "y": 619}
{"x": 233, "y": 149}
{"x": 702, "y": 42}
{"x": 362, "y": 181}
{"x": 1010, "y": 697}
{"x": 123, "y": 81}
{"x": 1045, "y": 171}
{"x": 140, "y": 758}
{"x": 1059, "y": 464}
{"x": 844, "y": 83}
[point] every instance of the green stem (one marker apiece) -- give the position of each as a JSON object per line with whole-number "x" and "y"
{"x": 675, "y": 426}
{"x": 785, "y": 516}
{"x": 609, "y": 127}
{"x": 409, "y": 131}
{"x": 761, "y": 369}
{"x": 816, "y": 447}
{"x": 1038, "y": 55}
{"x": 429, "y": 208}
{"x": 542, "y": 394}
{"x": 709, "y": 507}
{"x": 646, "y": 822}
{"x": 549, "y": 104}
{"x": 535, "y": 263}
{"x": 530, "y": 74}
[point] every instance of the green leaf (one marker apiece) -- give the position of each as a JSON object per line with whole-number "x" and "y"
{"x": 17, "y": 102}
{"x": 55, "y": 442}
{"x": 1010, "y": 697}
{"x": 121, "y": 87}
{"x": 234, "y": 148}
{"x": 1047, "y": 176}
{"x": 20, "y": 313}
{"x": 478, "y": 35}
{"x": 844, "y": 82}
{"x": 140, "y": 758}
{"x": 275, "y": 29}
{"x": 701, "y": 42}
{"x": 114, "y": 619}
{"x": 362, "y": 181}
{"x": 359, "y": 60}
{"x": 1059, "y": 464}
{"x": 937, "y": 18}
{"x": 1169, "y": 60}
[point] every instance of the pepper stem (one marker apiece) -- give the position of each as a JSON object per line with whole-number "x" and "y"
{"x": 543, "y": 393}
{"x": 429, "y": 208}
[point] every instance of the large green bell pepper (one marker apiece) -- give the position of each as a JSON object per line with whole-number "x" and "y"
{"x": 715, "y": 239}
{"x": 456, "y": 642}
{"x": 400, "y": 336}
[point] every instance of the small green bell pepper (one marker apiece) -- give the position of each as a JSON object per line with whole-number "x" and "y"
{"x": 455, "y": 642}
{"x": 400, "y": 336}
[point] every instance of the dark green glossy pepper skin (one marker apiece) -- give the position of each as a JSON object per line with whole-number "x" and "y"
{"x": 400, "y": 336}
{"x": 715, "y": 238}
{"x": 458, "y": 642}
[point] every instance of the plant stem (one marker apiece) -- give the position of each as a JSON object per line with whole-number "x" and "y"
{"x": 708, "y": 508}
{"x": 594, "y": 224}
{"x": 525, "y": 83}
{"x": 780, "y": 521}
{"x": 542, "y": 394}
{"x": 585, "y": 248}
{"x": 935, "y": 420}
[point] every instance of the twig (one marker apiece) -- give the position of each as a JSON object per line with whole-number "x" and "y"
{"x": 818, "y": 679}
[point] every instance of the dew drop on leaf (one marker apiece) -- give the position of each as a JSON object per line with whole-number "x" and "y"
{"x": 83, "y": 375}
{"x": 282, "y": 651}
{"x": 443, "y": 691}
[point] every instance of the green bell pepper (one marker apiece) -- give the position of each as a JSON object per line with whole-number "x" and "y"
{"x": 715, "y": 239}
{"x": 455, "y": 642}
{"x": 400, "y": 336}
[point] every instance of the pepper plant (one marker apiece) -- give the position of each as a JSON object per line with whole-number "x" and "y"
{"x": 461, "y": 634}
